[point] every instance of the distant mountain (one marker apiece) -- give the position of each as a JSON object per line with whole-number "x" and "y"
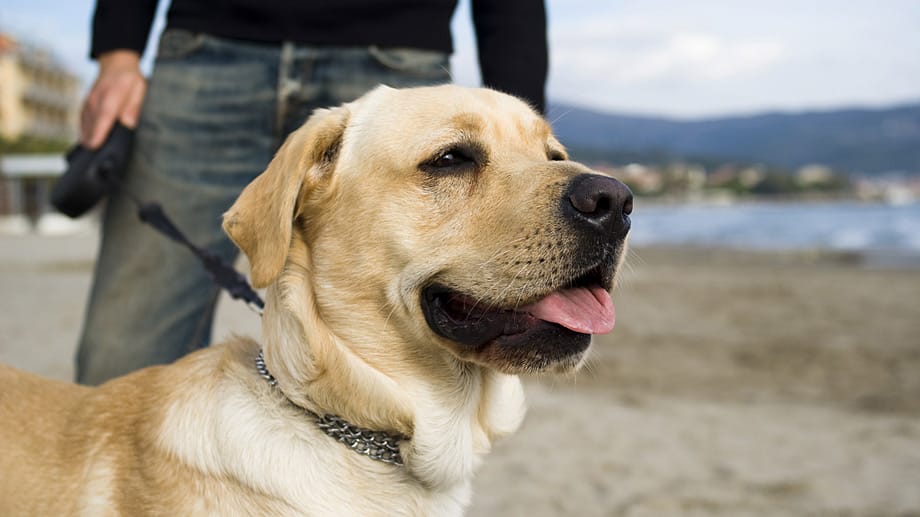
{"x": 854, "y": 140}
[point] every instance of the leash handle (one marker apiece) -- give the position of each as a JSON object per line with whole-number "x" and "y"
{"x": 86, "y": 179}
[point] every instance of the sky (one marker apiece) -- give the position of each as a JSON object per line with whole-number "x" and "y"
{"x": 657, "y": 57}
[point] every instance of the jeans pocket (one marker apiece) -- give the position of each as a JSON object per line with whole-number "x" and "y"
{"x": 424, "y": 64}
{"x": 178, "y": 43}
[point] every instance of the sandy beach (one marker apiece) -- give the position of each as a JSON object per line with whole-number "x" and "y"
{"x": 735, "y": 383}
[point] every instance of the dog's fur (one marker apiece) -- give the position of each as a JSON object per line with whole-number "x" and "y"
{"x": 351, "y": 221}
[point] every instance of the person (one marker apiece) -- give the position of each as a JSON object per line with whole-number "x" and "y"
{"x": 230, "y": 81}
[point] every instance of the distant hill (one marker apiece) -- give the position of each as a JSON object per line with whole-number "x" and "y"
{"x": 867, "y": 141}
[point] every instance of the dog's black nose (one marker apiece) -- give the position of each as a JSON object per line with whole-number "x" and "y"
{"x": 600, "y": 202}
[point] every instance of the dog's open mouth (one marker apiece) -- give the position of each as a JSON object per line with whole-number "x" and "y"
{"x": 585, "y": 307}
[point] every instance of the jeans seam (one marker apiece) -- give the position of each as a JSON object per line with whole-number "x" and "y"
{"x": 285, "y": 89}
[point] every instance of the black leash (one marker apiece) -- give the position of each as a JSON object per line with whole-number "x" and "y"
{"x": 223, "y": 275}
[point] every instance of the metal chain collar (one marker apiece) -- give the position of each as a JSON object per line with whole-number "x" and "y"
{"x": 377, "y": 445}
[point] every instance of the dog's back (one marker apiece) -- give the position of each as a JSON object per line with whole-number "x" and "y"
{"x": 67, "y": 449}
{"x": 34, "y": 411}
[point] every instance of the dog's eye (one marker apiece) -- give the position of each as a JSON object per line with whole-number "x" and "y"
{"x": 450, "y": 159}
{"x": 458, "y": 158}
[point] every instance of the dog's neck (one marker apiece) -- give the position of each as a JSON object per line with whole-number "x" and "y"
{"x": 377, "y": 445}
{"x": 452, "y": 411}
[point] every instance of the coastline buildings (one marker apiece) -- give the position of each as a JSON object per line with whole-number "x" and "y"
{"x": 39, "y": 101}
{"x": 38, "y": 96}
{"x": 683, "y": 181}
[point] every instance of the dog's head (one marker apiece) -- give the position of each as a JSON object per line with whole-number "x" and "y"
{"x": 441, "y": 218}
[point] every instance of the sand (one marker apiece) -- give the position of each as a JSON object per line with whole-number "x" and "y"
{"x": 735, "y": 383}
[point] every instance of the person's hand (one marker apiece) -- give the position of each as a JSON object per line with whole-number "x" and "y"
{"x": 117, "y": 94}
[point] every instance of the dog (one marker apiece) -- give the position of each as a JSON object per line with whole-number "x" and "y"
{"x": 421, "y": 249}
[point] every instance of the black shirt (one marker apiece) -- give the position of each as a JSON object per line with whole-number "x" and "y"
{"x": 510, "y": 34}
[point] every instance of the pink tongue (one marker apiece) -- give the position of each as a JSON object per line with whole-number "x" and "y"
{"x": 584, "y": 310}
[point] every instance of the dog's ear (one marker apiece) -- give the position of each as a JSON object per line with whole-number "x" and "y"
{"x": 260, "y": 221}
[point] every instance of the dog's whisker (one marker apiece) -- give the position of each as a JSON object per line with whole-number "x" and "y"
{"x": 494, "y": 304}
{"x": 559, "y": 117}
{"x": 450, "y": 73}
{"x": 386, "y": 321}
{"x": 493, "y": 260}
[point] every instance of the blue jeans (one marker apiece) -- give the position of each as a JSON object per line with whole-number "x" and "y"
{"x": 215, "y": 112}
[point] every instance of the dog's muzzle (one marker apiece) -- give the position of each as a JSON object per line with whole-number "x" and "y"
{"x": 553, "y": 325}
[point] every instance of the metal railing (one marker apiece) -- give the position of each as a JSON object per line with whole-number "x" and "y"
{"x": 25, "y": 184}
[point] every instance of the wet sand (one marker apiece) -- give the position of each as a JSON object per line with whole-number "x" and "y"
{"x": 734, "y": 383}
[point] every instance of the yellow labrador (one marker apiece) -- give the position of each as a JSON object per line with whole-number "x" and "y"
{"x": 421, "y": 248}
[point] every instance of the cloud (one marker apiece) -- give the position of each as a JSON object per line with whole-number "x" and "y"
{"x": 722, "y": 56}
{"x": 634, "y": 59}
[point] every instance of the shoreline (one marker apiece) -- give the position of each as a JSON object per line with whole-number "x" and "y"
{"x": 718, "y": 197}
{"x": 883, "y": 259}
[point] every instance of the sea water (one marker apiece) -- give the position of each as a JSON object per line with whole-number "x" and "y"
{"x": 871, "y": 228}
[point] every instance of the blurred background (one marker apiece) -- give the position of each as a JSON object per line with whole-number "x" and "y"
{"x": 766, "y": 359}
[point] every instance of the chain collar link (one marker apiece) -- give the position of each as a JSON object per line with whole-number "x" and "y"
{"x": 377, "y": 445}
